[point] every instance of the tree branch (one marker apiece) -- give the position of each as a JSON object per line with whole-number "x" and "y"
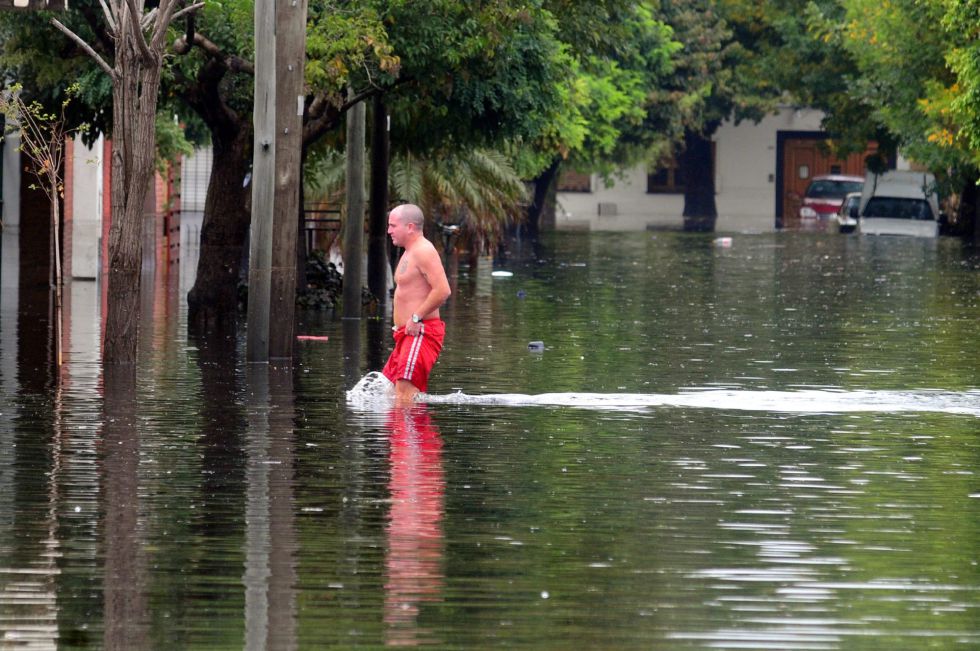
{"x": 100, "y": 28}
{"x": 108, "y": 16}
{"x": 85, "y": 46}
{"x": 148, "y": 18}
{"x": 230, "y": 61}
{"x": 141, "y": 44}
{"x": 186, "y": 10}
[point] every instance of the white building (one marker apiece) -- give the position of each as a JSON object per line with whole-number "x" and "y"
{"x": 760, "y": 172}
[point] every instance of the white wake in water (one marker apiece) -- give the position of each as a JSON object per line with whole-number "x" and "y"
{"x": 375, "y": 391}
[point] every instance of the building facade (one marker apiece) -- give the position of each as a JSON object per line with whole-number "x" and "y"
{"x": 761, "y": 170}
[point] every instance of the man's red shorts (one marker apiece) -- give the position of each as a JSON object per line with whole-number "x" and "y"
{"x": 413, "y": 357}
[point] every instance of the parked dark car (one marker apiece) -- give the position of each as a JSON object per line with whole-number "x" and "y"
{"x": 825, "y": 194}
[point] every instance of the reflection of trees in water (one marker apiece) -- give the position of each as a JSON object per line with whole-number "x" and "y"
{"x": 413, "y": 564}
{"x": 29, "y": 579}
{"x": 126, "y": 607}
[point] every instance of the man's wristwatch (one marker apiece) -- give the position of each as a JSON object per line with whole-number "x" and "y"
{"x": 416, "y": 318}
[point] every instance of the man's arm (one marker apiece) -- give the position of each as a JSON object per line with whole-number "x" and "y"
{"x": 430, "y": 266}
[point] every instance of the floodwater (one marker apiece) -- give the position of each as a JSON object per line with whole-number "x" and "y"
{"x": 768, "y": 445}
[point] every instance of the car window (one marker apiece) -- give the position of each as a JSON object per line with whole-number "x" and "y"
{"x": 826, "y": 189}
{"x": 895, "y": 208}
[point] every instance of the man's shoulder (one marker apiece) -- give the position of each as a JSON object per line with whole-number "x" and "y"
{"x": 425, "y": 248}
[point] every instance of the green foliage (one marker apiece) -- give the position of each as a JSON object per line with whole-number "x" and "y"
{"x": 347, "y": 46}
{"x": 172, "y": 142}
{"x": 42, "y": 135}
{"x": 903, "y": 86}
{"x": 477, "y": 189}
{"x": 959, "y": 107}
{"x": 42, "y": 60}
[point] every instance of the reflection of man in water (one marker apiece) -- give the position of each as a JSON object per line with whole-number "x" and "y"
{"x": 413, "y": 562}
{"x": 420, "y": 288}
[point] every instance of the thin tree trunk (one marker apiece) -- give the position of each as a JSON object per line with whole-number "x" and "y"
{"x": 56, "y": 271}
{"x": 700, "y": 211}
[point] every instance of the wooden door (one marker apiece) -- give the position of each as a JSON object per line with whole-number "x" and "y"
{"x": 799, "y": 163}
{"x": 806, "y": 157}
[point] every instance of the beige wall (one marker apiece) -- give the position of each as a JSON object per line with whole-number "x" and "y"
{"x": 86, "y": 198}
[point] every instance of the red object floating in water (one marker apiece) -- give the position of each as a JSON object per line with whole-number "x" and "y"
{"x": 312, "y": 337}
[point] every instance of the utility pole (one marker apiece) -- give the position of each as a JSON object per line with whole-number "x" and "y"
{"x": 290, "y": 98}
{"x": 263, "y": 182}
{"x": 377, "y": 217}
{"x": 354, "y": 231}
{"x": 280, "y": 50}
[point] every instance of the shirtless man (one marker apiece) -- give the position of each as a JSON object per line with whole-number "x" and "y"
{"x": 421, "y": 287}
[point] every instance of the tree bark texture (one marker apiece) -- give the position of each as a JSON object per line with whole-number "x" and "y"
{"x": 134, "y": 106}
{"x": 213, "y": 301}
{"x": 700, "y": 210}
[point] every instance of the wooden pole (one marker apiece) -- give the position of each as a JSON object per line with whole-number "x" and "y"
{"x": 263, "y": 183}
{"x": 290, "y": 56}
{"x": 354, "y": 231}
{"x": 377, "y": 219}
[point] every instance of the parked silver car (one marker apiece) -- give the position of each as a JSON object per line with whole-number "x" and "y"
{"x": 848, "y": 213}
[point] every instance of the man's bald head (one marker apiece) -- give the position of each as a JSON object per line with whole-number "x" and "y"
{"x": 409, "y": 213}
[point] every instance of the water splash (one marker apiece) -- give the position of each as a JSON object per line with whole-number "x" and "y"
{"x": 373, "y": 392}
{"x": 803, "y": 401}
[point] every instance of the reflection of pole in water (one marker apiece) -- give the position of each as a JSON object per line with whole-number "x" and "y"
{"x": 413, "y": 563}
{"x": 270, "y": 545}
{"x": 352, "y": 351}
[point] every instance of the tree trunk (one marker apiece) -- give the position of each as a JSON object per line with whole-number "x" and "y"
{"x": 213, "y": 301}
{"x": 968, "y": 212}
{"x": 134, "y": 105}
{"x": 697, "y": 166}
{"x": 543, "y": 191}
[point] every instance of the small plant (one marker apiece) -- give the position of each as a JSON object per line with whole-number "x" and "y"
{"x": 324, "y": 284}
{"x": 42, "y": 141}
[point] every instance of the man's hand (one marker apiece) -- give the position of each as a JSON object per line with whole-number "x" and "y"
{"x": 412, "y": 328}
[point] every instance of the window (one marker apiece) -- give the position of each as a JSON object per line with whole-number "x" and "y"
{"x": 898, "y": 208}
{"x": 669, "y": 177}
{"x": 570, "y": 181}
